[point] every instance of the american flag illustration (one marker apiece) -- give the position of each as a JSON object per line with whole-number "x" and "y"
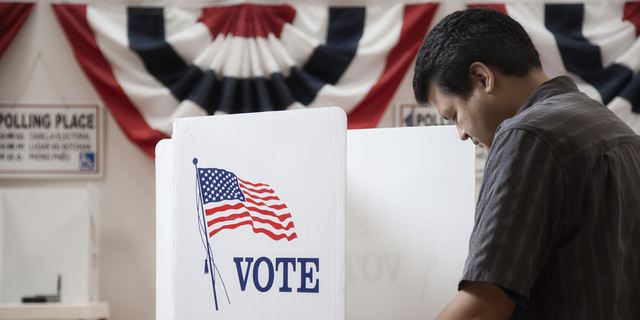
{"x": 230, "y": 202}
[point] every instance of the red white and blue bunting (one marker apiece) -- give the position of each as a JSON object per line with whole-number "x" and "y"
{"x": 153, "y": 64}
{"x": 12, "y": 16}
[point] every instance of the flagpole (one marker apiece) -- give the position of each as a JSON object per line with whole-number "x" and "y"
{"x": 206, "y": 236}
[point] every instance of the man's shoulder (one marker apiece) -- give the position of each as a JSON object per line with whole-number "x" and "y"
{"x": 571, "y": 125}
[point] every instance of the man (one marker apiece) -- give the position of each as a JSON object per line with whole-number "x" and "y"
{"x": 557, "y": 228}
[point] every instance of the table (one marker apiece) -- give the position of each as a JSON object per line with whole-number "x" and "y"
{"x": 54, "y": 311}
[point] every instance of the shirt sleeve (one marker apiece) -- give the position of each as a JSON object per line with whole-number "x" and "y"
{"x": 518, "y": 213}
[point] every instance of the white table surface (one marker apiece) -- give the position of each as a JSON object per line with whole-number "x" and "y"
{"x": 54, "y": 311}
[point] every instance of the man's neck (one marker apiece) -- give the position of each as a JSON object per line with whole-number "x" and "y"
{"x": 522, "y": 88}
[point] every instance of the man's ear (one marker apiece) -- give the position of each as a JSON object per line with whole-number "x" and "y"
{"x": 481, "y": 75}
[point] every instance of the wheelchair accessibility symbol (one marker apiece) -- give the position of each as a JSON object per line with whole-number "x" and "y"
{"x": 87, "y": 161}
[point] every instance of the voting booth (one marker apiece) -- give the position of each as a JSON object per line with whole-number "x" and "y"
{"x": 49, "y": 256}
{"x": 289, "y": 215}
{"x": 48, "y": 246}
{"x": 410, "y": 209}
{"x": 253, "y": 207}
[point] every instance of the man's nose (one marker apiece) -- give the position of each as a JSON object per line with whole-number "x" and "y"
{"x": 461, "y": 133}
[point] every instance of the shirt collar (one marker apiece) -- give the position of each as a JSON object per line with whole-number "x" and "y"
{"x": 550, "y": 88}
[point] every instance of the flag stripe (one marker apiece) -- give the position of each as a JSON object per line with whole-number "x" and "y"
{"x": 246, "y": 214}
{"x": 415, "y": 24}
{"x": 275, "y": 207}
{"x": 73, "y": 19}
{"x": 265, "y": 212}
{"x": 581, "y": 57}
{"x": 147, "y": 39}
{"x": 330, "y": 60}
{"x": 268, "y": 198}
{"x": 270, "y": 234}
{"x": 12, "y": 16}
{"x": 256, "y": 185}
{"x": 632, "y": 14}
{"x": 632, "y": 93}
{"x": 495, "y": 6}
{"x": 248, "y": 20}
{"x": 256, "y": 189}
{"x": 223, "y": 208}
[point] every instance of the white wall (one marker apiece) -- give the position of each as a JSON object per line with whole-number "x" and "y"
{"x": 39, "y": 67}
{"x": 126, "y": 191}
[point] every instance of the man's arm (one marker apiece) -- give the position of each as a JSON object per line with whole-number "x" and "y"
{"x": 479, "y": 300}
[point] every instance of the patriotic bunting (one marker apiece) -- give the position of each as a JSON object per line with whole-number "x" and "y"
{"x": 12, "y": 16}
{"x": 151, "y": 65}
{"x": 595, "y": 42}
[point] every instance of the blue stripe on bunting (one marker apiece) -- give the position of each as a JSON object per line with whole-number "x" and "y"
{"x": 326, "y": 65}
{"x": 584, "y": 59}
{"x": 146, "y": 37}
{"x": 632, "y": 93}
{"x": 329, "y": 61}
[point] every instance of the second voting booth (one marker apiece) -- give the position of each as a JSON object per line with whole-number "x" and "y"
{"x": 289, "y": 215}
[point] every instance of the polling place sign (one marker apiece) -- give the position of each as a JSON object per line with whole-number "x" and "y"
{"x": 414, "y": 115}
{"x": 38, "y": 140}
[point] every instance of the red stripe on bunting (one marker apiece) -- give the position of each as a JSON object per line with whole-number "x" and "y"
{"x": 632, "y": 14}
{"x": 495, "y": 6}
{"x": 417, "y": 19}
{"x": 248, "y": 20}
{"x": 12, "y": 16}
{"x": 73, "y": 19}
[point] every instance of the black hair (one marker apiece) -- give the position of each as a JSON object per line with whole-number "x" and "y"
{"x": 468, "y": 36}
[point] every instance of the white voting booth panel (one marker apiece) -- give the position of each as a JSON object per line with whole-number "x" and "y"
{"x": 403, "y": 198}
{"x": 250, "y": 217}
{"x": 43, "y": 235}
{"x": 410, "y": 207}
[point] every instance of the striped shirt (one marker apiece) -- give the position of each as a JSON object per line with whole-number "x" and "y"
{"x": 558, "y": 216}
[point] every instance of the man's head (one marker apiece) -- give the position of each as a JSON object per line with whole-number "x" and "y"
{"x": 460, "y": 61}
